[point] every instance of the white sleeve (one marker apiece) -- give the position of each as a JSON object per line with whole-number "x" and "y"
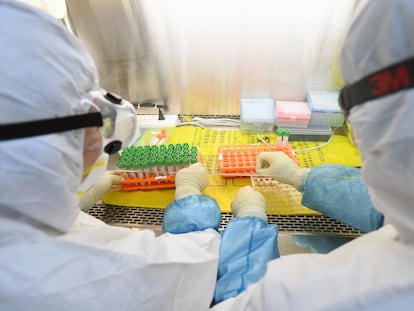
{"x": 97, "y": 267}
{"x": 361, "y": 275}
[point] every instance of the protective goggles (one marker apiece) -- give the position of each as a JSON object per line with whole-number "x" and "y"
{"x": 115, "y": 116}
{"x": 387, "y": 81}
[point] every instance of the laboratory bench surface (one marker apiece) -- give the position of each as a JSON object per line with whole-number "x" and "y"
{"x": 289, "y": 225}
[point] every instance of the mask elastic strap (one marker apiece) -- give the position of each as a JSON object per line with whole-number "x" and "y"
{"x": 383, "y": 82}
{"x": 50, "y": 126}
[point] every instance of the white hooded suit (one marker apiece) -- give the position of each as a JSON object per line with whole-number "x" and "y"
{"x": 374, "y": 272}
{"x": 52, "y": 256}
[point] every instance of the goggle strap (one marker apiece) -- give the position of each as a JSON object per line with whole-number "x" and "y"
{"x": 383, "y": 82}
{"x": 50, "y": 126}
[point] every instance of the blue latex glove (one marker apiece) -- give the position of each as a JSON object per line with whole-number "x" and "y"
{"x": 339, "y": 192}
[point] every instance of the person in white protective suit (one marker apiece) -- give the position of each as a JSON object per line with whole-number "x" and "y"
{"x": 375, "y": 271}
{"x": 52, "y": 255}
{"x": 54, "y": 124}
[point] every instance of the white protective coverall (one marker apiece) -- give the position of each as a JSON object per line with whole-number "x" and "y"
{"x": 52, "y": 255}
{"x": 375, "y": 271}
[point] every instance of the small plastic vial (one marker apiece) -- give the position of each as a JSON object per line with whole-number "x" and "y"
{"x": 286, "y": 133}
{"x": 279, "y": 137}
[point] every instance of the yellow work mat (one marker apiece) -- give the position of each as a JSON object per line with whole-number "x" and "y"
{"x": 281, "y": 199}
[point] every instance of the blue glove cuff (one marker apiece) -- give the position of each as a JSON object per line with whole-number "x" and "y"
{"x": 248, "y": 243}
{"x": 196, "y": 212}
{"x": 339, "y": 192}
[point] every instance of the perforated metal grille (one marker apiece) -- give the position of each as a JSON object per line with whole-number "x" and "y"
{"x": 152, "y": 218}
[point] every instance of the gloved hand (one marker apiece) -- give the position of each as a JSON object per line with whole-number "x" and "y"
{"x": 190, "y": 180}
{"x": 99, "y": 190}
{"x": 249, "y": 202}
{"x": 191, "y": 210}
{"x": 282, "y": 168}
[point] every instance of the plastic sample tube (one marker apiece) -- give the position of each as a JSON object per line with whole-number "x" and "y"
{"x": 170, "y": 148}
{"x": 145, "y": 155}
{"x": 279, "y": 137}
{"x": 154, "y": 149}
{"x": 138, "y": 169}
{"x": 153, "y": 166}
{"x": 128, "y": 166}
{"x": 193, "y": 158}
{"x": 177, "y": 163}
{"x": 163, "y": 148}
{"x": 161, "y": 165}
{"x": 286, "y": 133}
{"x": 121, "y": 166}
{"x": 169, "y": 165}
{"x": 145, "y": 167}
{"x": 185, "y": 161}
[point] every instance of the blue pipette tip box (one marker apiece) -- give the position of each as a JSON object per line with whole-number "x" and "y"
{"x": 257, "y": 115}
{"x": 325, "y": 109}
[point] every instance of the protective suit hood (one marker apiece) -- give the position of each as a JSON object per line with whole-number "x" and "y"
{"x": 383, "y": 128}
{"x": 46, "y": 81}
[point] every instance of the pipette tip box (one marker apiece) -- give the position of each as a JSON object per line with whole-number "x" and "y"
{"x": 325, "y": 109}
{"x": 292, "y": 114}
{"x": 257, "y": 115}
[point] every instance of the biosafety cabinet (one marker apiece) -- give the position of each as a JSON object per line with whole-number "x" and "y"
{"x": 202, "y": 58}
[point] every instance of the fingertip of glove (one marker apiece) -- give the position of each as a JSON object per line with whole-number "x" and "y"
{"x": 118, "y": 178}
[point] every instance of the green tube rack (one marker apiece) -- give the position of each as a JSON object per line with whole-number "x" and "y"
{"x": 154, "y": 167}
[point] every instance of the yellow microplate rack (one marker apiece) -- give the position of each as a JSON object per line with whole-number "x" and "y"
{"x": 280, "y": 198}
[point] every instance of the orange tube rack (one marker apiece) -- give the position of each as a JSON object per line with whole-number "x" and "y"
{"x": 240, "y": 160}
{"x": 154, "y": 167}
